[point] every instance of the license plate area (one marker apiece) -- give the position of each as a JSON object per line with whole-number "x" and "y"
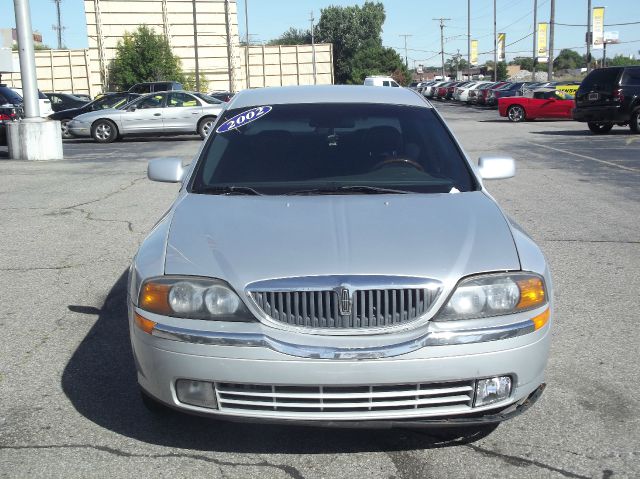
{"x": 594, "y": 96}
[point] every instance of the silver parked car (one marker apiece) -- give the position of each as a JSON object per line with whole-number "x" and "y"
{"x": 163, "y": 113}
{"x": 334, "y": 257}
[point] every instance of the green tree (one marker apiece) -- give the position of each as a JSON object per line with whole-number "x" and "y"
{"x": 502, "y": 71}
{"x": 526, "y": 63}
{"x": 293, "y": 36}
{"x": 374, "y": 59}
{"x": 143, "y": 56}
{"x": 348, "y": 29}
{"x": 189, "y": 82}
{"x": 622, "y": 61}
{"x": 454, "y": 64}
{"x": 568, "y": 60}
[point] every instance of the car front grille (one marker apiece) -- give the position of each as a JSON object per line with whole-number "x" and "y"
{"x": 367, "y": 308}
{"x": 334, "y": 401}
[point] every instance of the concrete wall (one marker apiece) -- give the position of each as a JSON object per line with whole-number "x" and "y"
{"x": 109, "y": 20}
{"x": 58, "y": 70}
{"x": 279, "y": 65}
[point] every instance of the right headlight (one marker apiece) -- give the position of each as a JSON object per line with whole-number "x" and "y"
{"x": 494, "y": 295}
{"x": 193, "y": 298}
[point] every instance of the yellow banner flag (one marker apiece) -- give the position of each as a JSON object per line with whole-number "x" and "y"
{"x": 474, "y": 52}
{"x": 502, "y": 37}
{"x": 598, "y": 27}
{"x": 543, "y": 54}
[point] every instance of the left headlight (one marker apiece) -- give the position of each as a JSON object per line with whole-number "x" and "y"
{"x": 494, "y": 295}
{"x": 193, "y": 298}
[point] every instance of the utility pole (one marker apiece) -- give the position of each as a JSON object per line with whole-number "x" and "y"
{"x": 442, "y": 20}
{"x": 589, "y": 36}
{"x": 535, "y": 46}
{"x": 195, "y": 45}
{"x": 458, "y": 56}
{"x": 313, "y": 48}
{"x": 468, "y": 39}
{"x": 58, "y": 27}
{"x": 552, "y": 21}
{"x": 246, "y": 48}
{"x": 495, "y": 44}
{"x": 406, "y": 58}
{"x": 227, "y": 24}
{"x": 604, "y": 54}
{"x": 27, "y": 59}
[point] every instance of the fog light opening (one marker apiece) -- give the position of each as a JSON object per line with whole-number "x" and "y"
{"x": 196, "y": 393}
{"x": 492, "y": 390}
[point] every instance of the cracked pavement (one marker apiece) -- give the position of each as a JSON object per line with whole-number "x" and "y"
{"x": 68, "y": 399}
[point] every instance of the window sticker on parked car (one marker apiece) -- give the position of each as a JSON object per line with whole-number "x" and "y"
{"x": 243, "y": 118}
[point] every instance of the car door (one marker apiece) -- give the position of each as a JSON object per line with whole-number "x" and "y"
{"x": 145, "y": 115}
{"x": 182, "y": 113}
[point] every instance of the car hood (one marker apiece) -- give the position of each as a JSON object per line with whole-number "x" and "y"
{"x": 248, "y": 238}
{"x": 92, "y": 115}
{"x": 68, "y": 113}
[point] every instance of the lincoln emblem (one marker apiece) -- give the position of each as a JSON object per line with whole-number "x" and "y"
{"x": 345, "y": 302}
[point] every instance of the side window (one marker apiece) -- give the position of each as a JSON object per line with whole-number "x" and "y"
{"x": 394, "y": 84}
{"x": 181, "y": 100}
{"x": 385, "y": 83}
{"x": 538, "y": 95}
{"x": 631, "y": 77}
{"x": 153, "y": 101}
{"x": 55, "y": 99}
{"x": 142, "y": 88}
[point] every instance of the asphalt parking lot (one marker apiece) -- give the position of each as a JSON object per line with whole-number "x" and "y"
{"x": 69, "y": 403}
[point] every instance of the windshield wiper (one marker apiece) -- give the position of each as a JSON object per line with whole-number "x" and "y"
{"x": 228, "y": 190}
{"x": 333, "y": 190}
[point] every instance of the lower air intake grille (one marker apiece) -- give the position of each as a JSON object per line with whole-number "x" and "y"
{"x": 361, "y": 401}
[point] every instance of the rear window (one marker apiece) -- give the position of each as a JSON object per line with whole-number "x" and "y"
{"x": 631, "y": 77}
{"x": 11, "y": 96}
{"x": 300, "y": 147}
{"x": 604, "y": 79}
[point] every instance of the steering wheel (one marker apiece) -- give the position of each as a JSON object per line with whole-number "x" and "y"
{"x": 402, "y": 161}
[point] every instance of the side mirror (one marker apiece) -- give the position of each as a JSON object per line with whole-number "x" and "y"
{"x": 131, "y": 108}
{"x": 166, "y": 170}
{"x": 496, "y": 167}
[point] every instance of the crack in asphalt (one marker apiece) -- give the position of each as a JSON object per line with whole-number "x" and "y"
{"x": 289, "y": 470}
{"x": 107, "y": 196}
{"x": 43, "y": 268}
{"x": 522, "y": 462}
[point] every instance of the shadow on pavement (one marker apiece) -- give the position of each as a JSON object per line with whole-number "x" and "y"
{"x": 100, "y": 381}
{"x": 134, "y": 139}
{"x": 585, "y": 132}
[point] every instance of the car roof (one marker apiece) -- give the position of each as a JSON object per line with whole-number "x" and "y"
{"x": 327, "y": 94}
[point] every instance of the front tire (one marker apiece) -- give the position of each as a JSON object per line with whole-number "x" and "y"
{"x": 516, "y": 113}
{"x": 205, "y": 126}
{"x": 599, "y": 128}
{"x": 64, "y": 127}
{"x": 634, "y": 122}
{"x": 104, "y": 131}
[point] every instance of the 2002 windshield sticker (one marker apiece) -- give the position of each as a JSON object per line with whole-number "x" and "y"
{"x": 243, "y": 118}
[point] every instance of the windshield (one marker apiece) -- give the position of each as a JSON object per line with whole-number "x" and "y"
{"x": 109, "y": 101}
{"x": 286, "y": 149}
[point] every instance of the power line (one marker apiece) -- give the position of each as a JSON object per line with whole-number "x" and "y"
{"x": 606, "y": 25}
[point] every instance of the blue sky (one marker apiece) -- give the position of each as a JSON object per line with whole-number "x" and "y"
{"x": 269, "y": 18}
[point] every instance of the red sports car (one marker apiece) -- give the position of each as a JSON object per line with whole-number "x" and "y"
{"x": 541, "y": 103}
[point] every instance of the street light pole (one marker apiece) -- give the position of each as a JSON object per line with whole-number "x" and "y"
{"x": 27, "y": 59}
{"x": 195, "y": 45}
{"x": 468, "y": 39}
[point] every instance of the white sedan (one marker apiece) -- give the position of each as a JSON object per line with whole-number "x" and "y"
{"x": 161, "y": 113}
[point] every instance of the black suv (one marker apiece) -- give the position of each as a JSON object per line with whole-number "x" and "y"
{"x": 609, "y": 96}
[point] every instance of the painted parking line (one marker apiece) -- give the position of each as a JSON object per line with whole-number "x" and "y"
{"x": 609, "y": 163}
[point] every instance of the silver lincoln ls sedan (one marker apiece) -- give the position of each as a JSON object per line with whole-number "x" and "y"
{"x": 334, "y": 258}
{"x": 161, "y": 113}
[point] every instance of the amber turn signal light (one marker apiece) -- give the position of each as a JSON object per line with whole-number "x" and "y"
{"x": 155, "y": 297}
{"x": 541, "y": 319}
{"x": 531, "y": 293}
{"x": 145, "y": 324}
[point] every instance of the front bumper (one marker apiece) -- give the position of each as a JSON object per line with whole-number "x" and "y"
{"x": 79, "y": 129}
{"x": 161, "y": 362}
